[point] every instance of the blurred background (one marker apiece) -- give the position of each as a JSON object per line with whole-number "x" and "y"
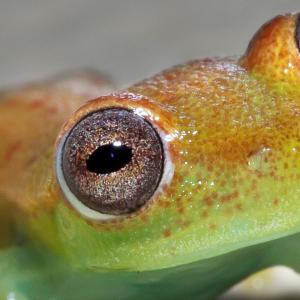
{"x": 128, "y": 39}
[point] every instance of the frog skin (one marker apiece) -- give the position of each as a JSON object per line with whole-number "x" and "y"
{"x": 227, "y": 201}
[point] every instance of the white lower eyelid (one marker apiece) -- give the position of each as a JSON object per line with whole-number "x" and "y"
{"x": 72, "y": 199}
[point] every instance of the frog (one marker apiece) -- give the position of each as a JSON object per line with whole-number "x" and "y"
{"x": 176, "y": 187}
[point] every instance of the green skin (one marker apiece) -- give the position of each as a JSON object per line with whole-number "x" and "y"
{"x": 30, "y": 275}
{"x": 229, "y": 209}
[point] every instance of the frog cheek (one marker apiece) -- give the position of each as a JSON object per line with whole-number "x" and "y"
{"x": 111, "y": 163}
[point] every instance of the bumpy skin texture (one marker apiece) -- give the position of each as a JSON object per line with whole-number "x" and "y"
{"x": 228, "y": 207}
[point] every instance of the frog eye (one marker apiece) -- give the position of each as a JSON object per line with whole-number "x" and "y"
{"x": 110, "y": 162}
{"x": 273, "y": 52}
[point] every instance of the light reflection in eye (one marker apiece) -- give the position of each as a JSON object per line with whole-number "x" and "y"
{"x": 117, "y": 144}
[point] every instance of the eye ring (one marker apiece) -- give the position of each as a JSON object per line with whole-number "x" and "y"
{"x": 88, "y": 211}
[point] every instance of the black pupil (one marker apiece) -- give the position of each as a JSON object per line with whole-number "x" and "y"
{"x": 109, "y": 158}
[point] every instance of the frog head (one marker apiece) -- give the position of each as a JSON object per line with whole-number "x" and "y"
{"x": 191, "y": 172}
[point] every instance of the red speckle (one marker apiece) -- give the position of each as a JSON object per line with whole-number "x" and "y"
{"x": 117, "y": 226}
{"x": 213, "y": 226}
{"x": 181, "y": 210}
{"x": 167, "y": 233}
{"x": 239, "y": 206}
{"x": 11, "y": 150}
{"x": 253, "y": 184}
{"x": 30, "y": 161}
{"x": 208, "y": 201}
{"x": 36, "y": 104}
{"x": 272, "y": 174}
{"x": 229, "y": 197}
{"x": 52, "y": 110}
{"x": 183, "y": 223}
{"x": 164, "y": 204}
{"x": 210, "y": 168}
{"x": 205, "y": 214}
{"x": 222, "y": 183}
{"x": 144, "y": 218}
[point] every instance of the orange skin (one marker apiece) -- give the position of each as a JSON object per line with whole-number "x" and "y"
{"x": 233, "y": 139}
{"x": 273, "y": 53}
{"x": 30, "y": 119}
